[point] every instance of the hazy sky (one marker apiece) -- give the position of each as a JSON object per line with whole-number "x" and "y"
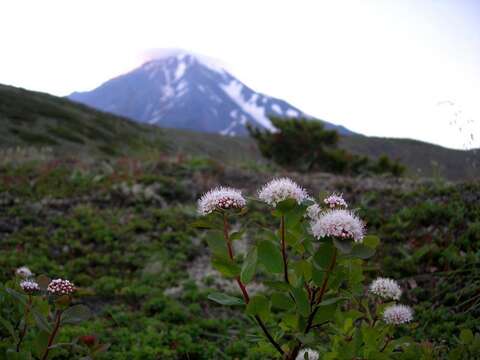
{"x": 395, "y": 68}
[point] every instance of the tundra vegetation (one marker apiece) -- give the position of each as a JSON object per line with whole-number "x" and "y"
{"x": 126, "y": 234}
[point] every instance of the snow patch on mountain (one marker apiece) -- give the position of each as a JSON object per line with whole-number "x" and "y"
{"x": 234, "y": 90}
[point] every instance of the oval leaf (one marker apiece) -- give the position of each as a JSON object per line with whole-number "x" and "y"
{"x": 249, "y": 265}
{"x": 225, "y": 299}
{"x": 76, "y": 314}
{"x": 269, "y": 255}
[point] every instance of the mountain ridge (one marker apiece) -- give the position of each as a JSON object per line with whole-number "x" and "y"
{"x": 187, "y": 91}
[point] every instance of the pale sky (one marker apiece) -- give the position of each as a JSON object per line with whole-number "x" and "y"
{"x": 399, "y": 68}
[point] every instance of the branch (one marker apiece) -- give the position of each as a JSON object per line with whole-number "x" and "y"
{"x": 284, "y": 251}
{"x": 243, "y": 288}
{"x": 323, "y": 289}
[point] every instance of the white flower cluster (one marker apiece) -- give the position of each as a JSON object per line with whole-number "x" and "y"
{"x": 220, "y": 198}
{"x": 311, "y": 355}
{"x": 282, "y": 189}
{"x": 29, "y": 286}
{"x": 335, "y": 201}
{"x": 24, "y": 272}
{"x": 342, "y": 224}
{"x": 387, "y": 289}
{"x": 398, "y": 314}
{"x": 60, "y": 287}
{"x": 313, "y": 212}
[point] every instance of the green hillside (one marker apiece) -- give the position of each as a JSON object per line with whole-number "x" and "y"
{"x": 41, "y": 120}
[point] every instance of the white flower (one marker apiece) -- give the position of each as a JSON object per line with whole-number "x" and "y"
{"x": 313, "y": 212}
{"x": 221, "y": 198}
{"x": 342, "y": 224}
{"x": 312, "y": 355}
{"x": 335, "y": 201}
{"x": 29, "y": 286}
{"x": 398, "y": 314}
{"x": 61, "y": 287}
{"x": 282, "y": 189}
{"x": 24, "y": 272}
{"x": 386, "y": 288}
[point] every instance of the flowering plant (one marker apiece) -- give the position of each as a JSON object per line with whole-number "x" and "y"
{"x": 34, "y": 312}
{"x": 315, "y": 304}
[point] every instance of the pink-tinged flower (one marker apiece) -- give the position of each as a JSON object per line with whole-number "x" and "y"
{"x": 398, "y": 314}
{"x": 307, "y": 354}
{"x": 24, "y": 272}
{"x": 313, "y": 212}
{"x": 29, "y": 287}
{"x": 61, "y": 287}
{"x": 221, "y": 198}
{"x": 335, "y": 201}
{"x": 342, "y": 224}
{"x": 282, "y": 189}
{"x": 387, "y": 289}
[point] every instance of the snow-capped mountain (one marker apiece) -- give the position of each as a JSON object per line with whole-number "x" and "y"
{"x": 182, "y": 90}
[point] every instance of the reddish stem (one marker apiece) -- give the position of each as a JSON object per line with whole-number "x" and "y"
{"x": 24, "y": 330}
{"x": 284, "y": 251}
{"x": 323, "y": 289}
{"x": 58, "y": 317}
{"x": 244, "y": 289}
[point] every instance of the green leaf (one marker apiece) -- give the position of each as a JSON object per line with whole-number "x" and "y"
{"x": 17, "y": 296}
{"x": 40, "y": 343}
{"x": 21, "y": 355}
{"x": 372, "y": 241}
{"x": 331, "y": 301}
{"x": 9, "y": 328}
{"x": 325, "y": 313}
{"x": 285, "y": 206}
{"x": 303, "y": 269}
{"x": 237, "y": 235}
{"x": 269, "y": 255}
{"x": 323, "y": 256}
{"x": 345, "y": 246}
{"x": 259, "y": 305}
{"x": 225, "y": 299}
{"x": 294, "y": 216}
{"x": 249, "y": 266}
{"x": 466, "y": 336}
{"x": 362, "y": 251}
{"x": 318, "y": 275}
{"x": 76, "y": 314}
{"x": 277, "y": 285}
{"x": 282, "y": 301}
{"x": 203, "y": 223}
{"x": 226, "y": 267}
{"x": 217, "y": 244}
{"x": 301, "y": 299}
{"x": 41, "y": 321}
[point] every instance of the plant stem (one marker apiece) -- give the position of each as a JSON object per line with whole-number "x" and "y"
{"x": 58, "y": 317}
{"x": 267, "y": 334}
{"x": 243, "y": 288}
{"x": 284, "y": 251}
{"x": 323, "y": 290}
{"x": 389, "y": 338}
{"x": 24, "y": 330}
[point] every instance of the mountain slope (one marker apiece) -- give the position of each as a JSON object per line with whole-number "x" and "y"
{"x": 36, "y": 119}
{"x": 187, "y": 91}
{"x": 30, "y": 118}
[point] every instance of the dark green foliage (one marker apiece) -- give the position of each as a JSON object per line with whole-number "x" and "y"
{"x": 65, "y": 218}
{"x": 305, "y": 145}
{"x": 298, "y": 143}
